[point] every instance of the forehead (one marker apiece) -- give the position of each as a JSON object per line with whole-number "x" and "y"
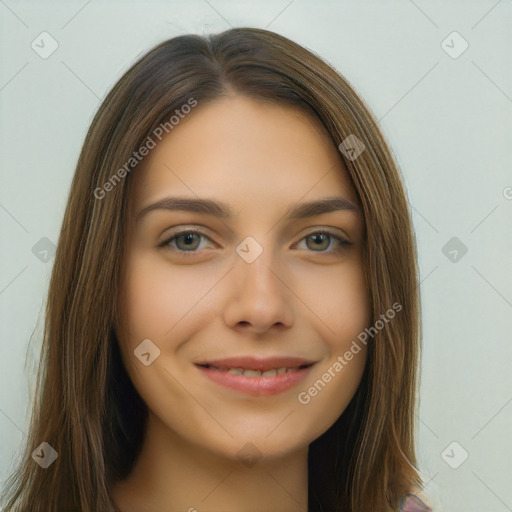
{"x": 246, "y": 151}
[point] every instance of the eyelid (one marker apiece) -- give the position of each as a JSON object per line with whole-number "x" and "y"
{"x": 328, "y": 231}
{"x": 182, "y": 231}
{"x": 343, "y": 241}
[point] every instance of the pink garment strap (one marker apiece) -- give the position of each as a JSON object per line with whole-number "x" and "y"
{"x": 410, "y": 502}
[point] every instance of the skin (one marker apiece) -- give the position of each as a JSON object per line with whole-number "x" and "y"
{"x": 300, "y": 297}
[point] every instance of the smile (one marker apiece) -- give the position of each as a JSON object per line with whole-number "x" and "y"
{"x": 256, "y": 373}
{"x": 256, "y": 378}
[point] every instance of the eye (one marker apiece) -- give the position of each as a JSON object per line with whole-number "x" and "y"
{"x": 186, "y": 241}
{"x": 319, "y": 241}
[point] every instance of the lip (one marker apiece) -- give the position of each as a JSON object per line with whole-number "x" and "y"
{"x": 256, "y": 363}
{"x": 217, "y": 371}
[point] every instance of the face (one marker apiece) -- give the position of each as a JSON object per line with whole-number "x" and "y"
{"x": 247, "y": 307}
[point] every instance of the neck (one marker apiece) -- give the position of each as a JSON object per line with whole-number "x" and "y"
{"x": 172, "y": 475}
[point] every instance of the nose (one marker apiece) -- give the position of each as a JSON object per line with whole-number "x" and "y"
{"x": 258, "y": 298}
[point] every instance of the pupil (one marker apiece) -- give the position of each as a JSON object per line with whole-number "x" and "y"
{"x": 318, "y": 238}
{"x": 188, "y": 239}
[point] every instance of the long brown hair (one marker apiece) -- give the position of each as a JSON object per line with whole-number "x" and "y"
{"x": 85, "y": 405}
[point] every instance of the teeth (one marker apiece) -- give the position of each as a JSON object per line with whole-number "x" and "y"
{"x": 257, "y": 373}
{"x": 252, "y": 373}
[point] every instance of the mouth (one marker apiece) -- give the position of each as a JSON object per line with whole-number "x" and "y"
{"x": 252, "y": 373}
{"x": 257, "y": 377}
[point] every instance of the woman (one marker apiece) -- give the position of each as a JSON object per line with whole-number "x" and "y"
{"x": 233, "y": 314}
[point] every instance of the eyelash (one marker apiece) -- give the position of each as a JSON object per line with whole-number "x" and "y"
{"x": 342, "y": 242}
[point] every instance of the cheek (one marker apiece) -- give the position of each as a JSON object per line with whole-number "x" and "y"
{"x": 351, "y": 314}
{"x": 340, "y": 301}
{"x": 338, "y": 298}
{"x": 165, "y": 305}
{"x": 157, "y": 297}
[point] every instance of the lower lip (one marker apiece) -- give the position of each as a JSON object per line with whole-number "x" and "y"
{"x": 257, "y": 386}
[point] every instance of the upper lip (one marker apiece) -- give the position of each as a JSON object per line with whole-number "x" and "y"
{"x": 255, "y": 363}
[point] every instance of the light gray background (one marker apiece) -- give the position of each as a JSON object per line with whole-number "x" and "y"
{"x": 447, "y": 119}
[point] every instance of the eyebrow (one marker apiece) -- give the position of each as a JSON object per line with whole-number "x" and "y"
{"x": 224, "y": 211}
